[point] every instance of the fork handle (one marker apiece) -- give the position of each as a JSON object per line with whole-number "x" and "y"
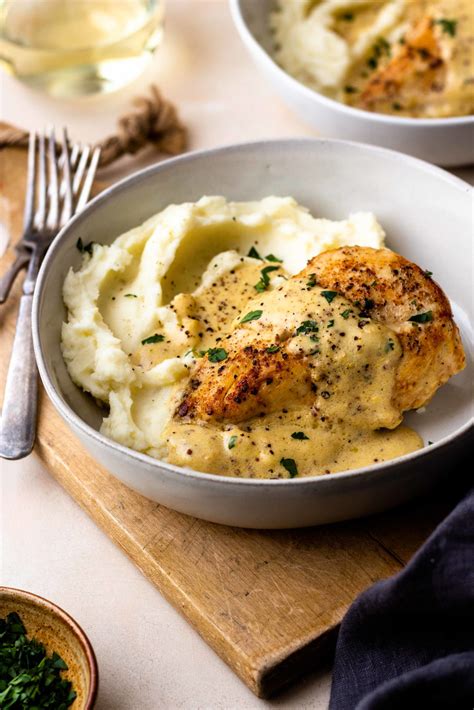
{"x": 18, "y": 423}
{"x": 6, "y": 281}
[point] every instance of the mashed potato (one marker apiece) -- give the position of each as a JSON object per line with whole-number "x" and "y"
{"x": 142, "y": 309}
{"x": 406, "y": 57}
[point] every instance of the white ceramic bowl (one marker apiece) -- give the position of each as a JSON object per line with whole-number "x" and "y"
{"x": 426, "y": 214}
{"x": 444, "y": 141}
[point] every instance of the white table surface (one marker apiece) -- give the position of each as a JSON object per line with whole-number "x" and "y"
{"x": 148, "y": 656}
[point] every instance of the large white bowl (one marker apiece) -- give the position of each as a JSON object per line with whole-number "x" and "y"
{"x": 426, "y": 214}
{"x": 444, "y": 141}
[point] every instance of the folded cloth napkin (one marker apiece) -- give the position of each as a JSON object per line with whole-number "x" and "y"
{"x": 408, "y": 642}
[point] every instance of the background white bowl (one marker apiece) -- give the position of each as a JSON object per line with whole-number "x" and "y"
{"x": 426, "y": 214}
{"x": 444, "y": 141}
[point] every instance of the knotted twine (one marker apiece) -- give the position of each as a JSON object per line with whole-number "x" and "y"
{"x": 154, "y": 121}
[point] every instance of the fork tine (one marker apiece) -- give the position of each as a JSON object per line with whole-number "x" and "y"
{"x": 79, "y": 174}
{"x": 74, "y": 154}
{"x": 52, "y": 220}
{"x": 66, "y": 182}
{"x": 89, "y": 179}
{"x": 30, "y": 184}
{"x": 40, "y": 214}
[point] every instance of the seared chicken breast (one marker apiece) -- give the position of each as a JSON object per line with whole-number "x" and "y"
{"x": 271, "y": 358}
{"x": 414, "y": 76}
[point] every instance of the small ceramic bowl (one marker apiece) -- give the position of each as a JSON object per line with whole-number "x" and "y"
{"x": 427, "y": 216}
{"x": 444, "y": 141}
{"x": 57, "y": 631}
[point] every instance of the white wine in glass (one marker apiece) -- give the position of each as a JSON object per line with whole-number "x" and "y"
{"x": 73, "y": 47}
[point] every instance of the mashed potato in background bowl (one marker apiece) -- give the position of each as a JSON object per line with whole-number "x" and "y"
{"x": 141, "y": 309}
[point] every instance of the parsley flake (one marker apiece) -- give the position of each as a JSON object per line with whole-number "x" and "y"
{"x": 252, "y": 315}
{"x": 350, "y": 89}
{"x": 329, "y": 295}
{"x": 232, "y": 442}
{"x": 311, "y": 281}
{"x": 254, "y": 254}
{"x": 307, "y": 326}
{"x": 345, "y": 314}
{"x": 449, "y": 27}
{"x": 272, "y": 257}
{"x": 156, "y": 338}
{"x": 130, "y": 295}
{"x": 422, "y": 317}
{"x": 299, "y": 435}
{"x": 390, "y": 345}
{"x": 264, "y": 282}
{"x": 216, "y": 354}
{"x": 85, "y": 248}
{"x": 290, "y": 465}
{"x": 330, "y": 323}
{"x": 428, "y": 274}
{"x": 273, "y": 349}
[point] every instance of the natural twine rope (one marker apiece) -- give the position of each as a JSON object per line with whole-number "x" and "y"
{"x": 153, "y": 122}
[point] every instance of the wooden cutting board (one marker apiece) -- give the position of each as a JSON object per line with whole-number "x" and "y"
{"x": 269, "y": 603}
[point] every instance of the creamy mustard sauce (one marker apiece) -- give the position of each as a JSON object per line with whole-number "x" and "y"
{"x": 342, "y": 419}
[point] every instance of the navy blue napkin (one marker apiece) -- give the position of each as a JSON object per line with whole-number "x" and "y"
{"x": 408, "y": 642}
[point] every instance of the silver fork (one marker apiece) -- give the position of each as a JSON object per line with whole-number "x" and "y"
{"x": 83, "y": 163}
{"x": 54, "y": 207}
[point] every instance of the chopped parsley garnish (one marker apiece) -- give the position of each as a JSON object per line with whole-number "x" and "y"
{"x": 350, "y": 89}
{"x": 156, "y": 338}
{"x": 254, "y": 254}
{"x": 312, "y": 282}
{"x": 252, "y": 315}
{"x": 85, "y": 248}
{"x": 369, "y": 304}
{"x": 216, "y": 354}
{"x": 347, "y": 16}
{"x": 29, "y": 678}
{"x": 448, "y": 26}
{"x": 422, "y": 317}
{"x": 264, "y": 282}
{"x": 232, "y": 442}
{"x": 397, "y": 106}
{"x": 272, "y": 257}
{"x": 390, "y": 345}
{"x": 300, "y": 435}
{"x": 345, "y": 314}
{"x": 330, "y": 324}
{"x": 307, "y": 326}
{"x": 273, "y": 349}
{"x": 380, "y": 48}
{"x": 428, "y": 274}
{"x": 329, "y": 295}
{"x": 130, "y": 295}
{"x": 290, "y": 465}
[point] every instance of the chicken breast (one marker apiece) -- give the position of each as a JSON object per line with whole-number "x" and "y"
{"x": 272, "y": 358}
{"x": 413, "y": 77}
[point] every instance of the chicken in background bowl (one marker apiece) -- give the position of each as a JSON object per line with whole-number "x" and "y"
{"x": 409, "y": 58}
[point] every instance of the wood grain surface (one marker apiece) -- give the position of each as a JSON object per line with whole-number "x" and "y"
{"x": 268, "y": 603}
